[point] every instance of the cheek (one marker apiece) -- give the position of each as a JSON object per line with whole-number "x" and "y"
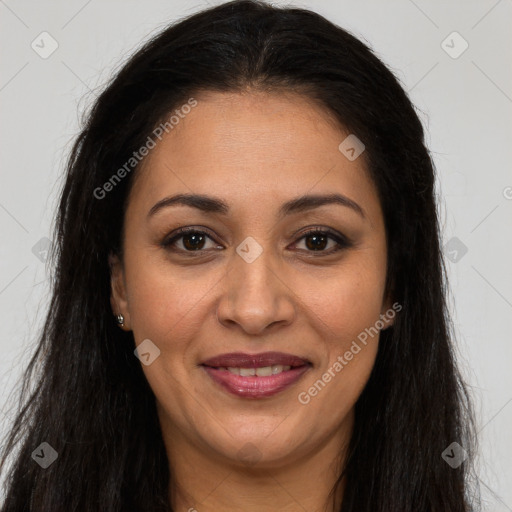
{"x": 166, "y": 302}
{"x": 168, "y": 306}
{"x": 344, "y": 316}
{"x": 346, "y": 302}
{"x": 344, "y": 310}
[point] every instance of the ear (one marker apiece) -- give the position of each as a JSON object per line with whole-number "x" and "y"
{"x": 389, "y": 311}
{"x": 118, "y": 297}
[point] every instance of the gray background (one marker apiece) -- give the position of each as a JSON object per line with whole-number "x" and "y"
{"x": 464, "y": 101}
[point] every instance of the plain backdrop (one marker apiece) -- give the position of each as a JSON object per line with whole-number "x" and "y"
{"x": 453, "y": 58}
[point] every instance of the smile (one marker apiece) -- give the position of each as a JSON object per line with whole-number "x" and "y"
{"x": 257, "y": 375}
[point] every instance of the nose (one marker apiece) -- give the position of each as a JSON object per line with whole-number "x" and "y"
{"x": 256, "y": 297}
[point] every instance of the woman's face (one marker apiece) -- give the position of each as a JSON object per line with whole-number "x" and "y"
{"x": 254, "y": 282}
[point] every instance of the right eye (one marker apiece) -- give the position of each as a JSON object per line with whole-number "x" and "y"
{"x": 188, "y": 240}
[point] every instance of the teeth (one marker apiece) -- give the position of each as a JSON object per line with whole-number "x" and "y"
{"x": 265, "y": 371}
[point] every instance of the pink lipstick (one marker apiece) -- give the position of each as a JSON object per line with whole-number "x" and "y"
{"x": 255, "y": 375}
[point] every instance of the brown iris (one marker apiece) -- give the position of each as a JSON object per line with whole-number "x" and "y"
{"x": 318, "y": 242}
{"x": 193, "y": 241}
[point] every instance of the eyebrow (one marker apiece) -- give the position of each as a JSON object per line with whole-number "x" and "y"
{"x": 210, "y": 204}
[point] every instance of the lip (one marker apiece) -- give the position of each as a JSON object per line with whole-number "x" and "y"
{"x": 243, "y": 360}
{"x": 255, "y": 387}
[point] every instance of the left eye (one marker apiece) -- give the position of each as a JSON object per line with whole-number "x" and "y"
{"x": 318, "y": 241}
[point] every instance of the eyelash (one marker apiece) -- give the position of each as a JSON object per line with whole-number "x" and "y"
{"x": 341, "y": 241}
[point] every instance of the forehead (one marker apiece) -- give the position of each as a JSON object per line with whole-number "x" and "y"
{"x": 237, "y": 127}
{"x": 243, "y": 146}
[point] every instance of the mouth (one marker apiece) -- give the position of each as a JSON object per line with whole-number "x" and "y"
{"x": 255, "y": 375}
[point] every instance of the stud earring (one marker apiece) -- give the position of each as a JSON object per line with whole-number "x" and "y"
{"x": 120, "y": 320}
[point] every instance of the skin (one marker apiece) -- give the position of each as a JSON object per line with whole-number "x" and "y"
{"x": 254, "y": 151}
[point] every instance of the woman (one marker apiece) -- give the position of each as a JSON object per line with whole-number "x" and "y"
{"x": 248, "y": 308}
